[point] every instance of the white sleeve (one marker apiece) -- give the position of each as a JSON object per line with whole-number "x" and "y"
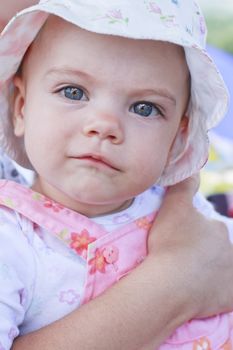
{"x": 10, "y": 171}
{"x": 207, "y": 209}
{"x": 17, "y": 272}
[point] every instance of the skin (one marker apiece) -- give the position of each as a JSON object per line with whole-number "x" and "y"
{"x": 161, "y": 312}
{"x": 164, "y": 273}
{"x": 98, "y": 164}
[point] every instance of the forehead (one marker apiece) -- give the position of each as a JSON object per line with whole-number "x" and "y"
{"x": 62, "y": 43}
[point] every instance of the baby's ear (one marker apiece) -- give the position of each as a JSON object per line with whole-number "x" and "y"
{"x": 184, "y": 124}
{"x": 180, "y": 141}
{"x": 18, "y": 106}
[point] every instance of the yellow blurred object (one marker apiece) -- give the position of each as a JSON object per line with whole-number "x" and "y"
{"x": 214, "y": 182}
{"x": 217, "y": 174}
{"x": 213, "y": 155}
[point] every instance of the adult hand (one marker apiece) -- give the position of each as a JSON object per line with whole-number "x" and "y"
{"x": 190, "y": 261}
{"x": 198, "y": 250}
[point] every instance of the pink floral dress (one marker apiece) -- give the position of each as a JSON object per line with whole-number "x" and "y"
{"x": 52, "y": 260}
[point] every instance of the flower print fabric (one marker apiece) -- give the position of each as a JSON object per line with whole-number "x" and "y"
{"x": 43, "y": 264}
{"x": 177, "y": 21}
{"x": 45, "y": 278}
{"x": 39, "y": 284}
{"x": 17, "y": 274}
{"x": 80, "y": 241}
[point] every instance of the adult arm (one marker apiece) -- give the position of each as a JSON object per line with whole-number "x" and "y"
{"x": 144, "y": 308}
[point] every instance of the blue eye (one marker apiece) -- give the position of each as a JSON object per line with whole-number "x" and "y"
{"x": 73, "y": 93}
{"x": 145, "y": 109}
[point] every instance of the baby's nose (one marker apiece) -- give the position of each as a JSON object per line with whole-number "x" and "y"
{"x": 105, "y": 127}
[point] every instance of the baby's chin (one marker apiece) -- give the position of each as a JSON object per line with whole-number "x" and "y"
{"x": 95, "y": 206}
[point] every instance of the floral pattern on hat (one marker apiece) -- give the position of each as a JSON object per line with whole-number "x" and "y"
{"x": 178, "y": 21}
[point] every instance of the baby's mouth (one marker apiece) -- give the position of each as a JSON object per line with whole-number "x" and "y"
{"x": 97, "y": 160}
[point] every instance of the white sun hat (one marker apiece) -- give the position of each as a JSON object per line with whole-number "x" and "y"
{"x": 176, "y": 21}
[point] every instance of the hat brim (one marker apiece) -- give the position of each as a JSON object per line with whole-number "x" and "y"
{"x": 208, "y": 101}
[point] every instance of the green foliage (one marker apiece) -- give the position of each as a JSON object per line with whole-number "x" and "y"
{"x": 220, "y": 31}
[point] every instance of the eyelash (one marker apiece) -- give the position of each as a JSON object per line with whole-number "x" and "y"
{"x": 146, "y": 103}
{"x": 82, "y": 92}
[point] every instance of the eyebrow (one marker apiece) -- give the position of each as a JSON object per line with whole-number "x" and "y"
{"x": 69, "y": 72}
{"x": 162, "y": 92}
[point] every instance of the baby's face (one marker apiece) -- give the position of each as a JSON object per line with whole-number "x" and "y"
{"x": 98, "y": 114}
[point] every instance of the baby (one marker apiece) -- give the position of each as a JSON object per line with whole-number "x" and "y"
{"x": 106, "y": 120}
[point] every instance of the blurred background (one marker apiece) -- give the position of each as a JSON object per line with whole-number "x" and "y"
{"x": 217, "y": 175}
{"x": 219, "y": 16}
